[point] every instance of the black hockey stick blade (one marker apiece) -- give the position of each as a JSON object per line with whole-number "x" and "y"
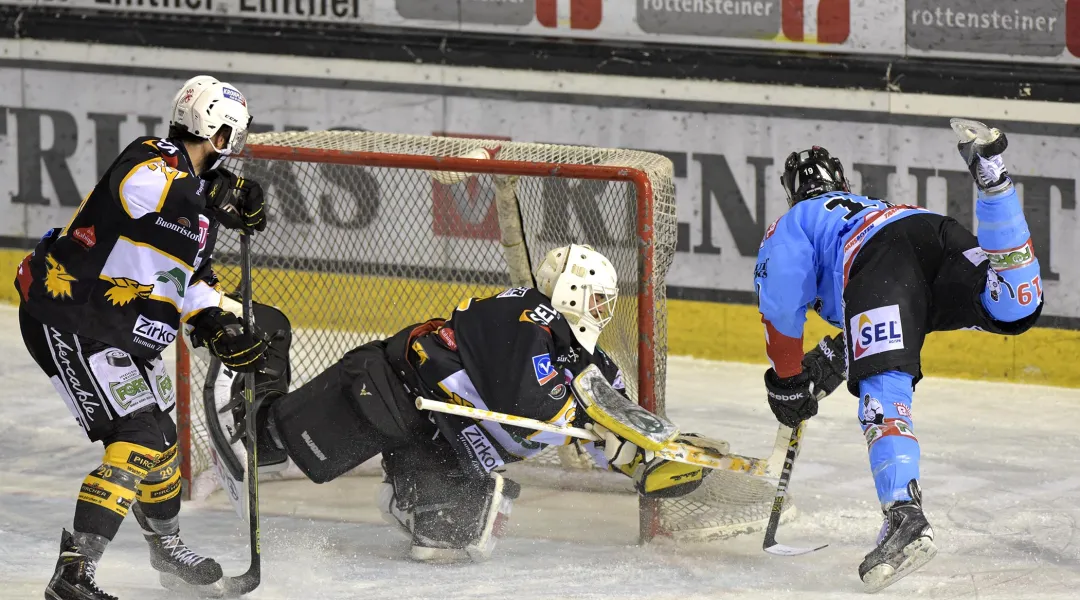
{"x": 770, "y": 544}
{"x": 246, "y": 583}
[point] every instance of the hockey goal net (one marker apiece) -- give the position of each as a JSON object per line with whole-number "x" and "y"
{"x": 371, "y": 232}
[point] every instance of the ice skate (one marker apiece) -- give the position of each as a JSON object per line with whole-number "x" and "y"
{"x": 981, "y": 148}
{"x": 74, "y": 575}
{"x": 180, "y": 568}
{"x": 465, "y": 528}
{"x": 906, "y": 542}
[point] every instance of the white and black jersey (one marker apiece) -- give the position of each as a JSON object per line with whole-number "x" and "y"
{"x": 511, "y": 353}
{"x": 134, "y": 261}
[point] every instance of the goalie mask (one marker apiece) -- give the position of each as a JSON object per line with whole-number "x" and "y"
{"x": 811, "y": 173}
{"x": 583, "y": 286}
{"x": 205, "y": 105}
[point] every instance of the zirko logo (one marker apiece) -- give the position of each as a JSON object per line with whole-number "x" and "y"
{"x": 481, "y": 448}
{"x": 156, "y": 331}
{"x": 877, "y": 330}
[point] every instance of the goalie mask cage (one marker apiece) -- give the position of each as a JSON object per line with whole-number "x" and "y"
{"x": 371, "y": 232}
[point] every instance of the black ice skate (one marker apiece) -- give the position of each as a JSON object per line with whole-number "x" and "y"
{"x": 465, "y": 529}
{"x": 180, "y": 568}
{"x": 906, "y": 542}
{"x": 981, "y": 148}
{"x": 74, "y": 575}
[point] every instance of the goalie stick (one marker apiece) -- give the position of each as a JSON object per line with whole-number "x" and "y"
{"x": 673, "y": 451}
{"x": 770, "y": 544}
{"x": 246, "y": 583}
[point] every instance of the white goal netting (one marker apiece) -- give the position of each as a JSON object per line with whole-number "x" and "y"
{"x": 371, "y": 232}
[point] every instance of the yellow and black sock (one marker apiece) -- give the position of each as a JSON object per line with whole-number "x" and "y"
{"x": 159, "y": 491}
{"x": 108, "y": 491}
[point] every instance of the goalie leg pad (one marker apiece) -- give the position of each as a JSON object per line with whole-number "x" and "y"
{"x": 451, "y": 516}
{"x": 346, "y": 415}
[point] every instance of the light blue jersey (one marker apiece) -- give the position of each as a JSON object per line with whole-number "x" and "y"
{"x": 806, "y": 253}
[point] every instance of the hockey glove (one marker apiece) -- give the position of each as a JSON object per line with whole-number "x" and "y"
{"x": 225, "y": 338}
{"x": 653, "y": 477}
{"x": 790, "y": 398}
{"x": 236, "y": 202}
{"x": 825, "y": 365}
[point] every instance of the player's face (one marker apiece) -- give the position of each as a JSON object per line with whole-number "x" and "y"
{"x": 599, "y": 307}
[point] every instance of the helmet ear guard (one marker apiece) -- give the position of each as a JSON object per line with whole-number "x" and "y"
{"x": 583, "y": 286}
{"x": 810, "y": 173}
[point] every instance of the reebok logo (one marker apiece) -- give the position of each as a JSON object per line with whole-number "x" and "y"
{"x": 826, "y": 350}
{"x": 877, "y": 330}
{"x": 785, "y": 397}
{"x": 311, "y": 444}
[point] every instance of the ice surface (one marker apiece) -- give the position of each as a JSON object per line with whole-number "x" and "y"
{"x": 1001, "y": 480}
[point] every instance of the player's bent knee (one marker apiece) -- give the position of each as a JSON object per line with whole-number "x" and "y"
{"x": 1012, "y": 297}
{"x": 162, "y": 483}
{"x": 113, "y": 484}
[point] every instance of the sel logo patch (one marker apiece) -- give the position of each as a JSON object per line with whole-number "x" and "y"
{"x": 877, "y": 330}
{"x": 545, "y": 372}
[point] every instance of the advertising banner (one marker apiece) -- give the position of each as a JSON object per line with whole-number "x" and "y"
{"x": 981, "y": 30}
{"x": 727, "y": 159}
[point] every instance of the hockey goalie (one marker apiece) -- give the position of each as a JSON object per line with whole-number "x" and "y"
{"x": 516, "y": 352}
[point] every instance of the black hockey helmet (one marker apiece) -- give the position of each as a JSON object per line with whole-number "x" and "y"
{"x": 812, "y": 172}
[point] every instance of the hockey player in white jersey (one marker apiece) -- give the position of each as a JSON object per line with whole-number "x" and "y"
{"x": 101, "y": 299}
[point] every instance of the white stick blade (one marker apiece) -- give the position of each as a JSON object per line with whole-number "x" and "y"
{"x": 782, "y": 550}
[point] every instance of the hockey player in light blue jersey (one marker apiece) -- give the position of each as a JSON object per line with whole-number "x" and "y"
{"x": 888, "y": 275}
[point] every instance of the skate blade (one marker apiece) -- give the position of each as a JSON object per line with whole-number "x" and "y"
{"x": 916, "y": 554}
{"x": 218, "y": 589}
{"x": 968, "y": 130}
{"x": 438, "y": 556}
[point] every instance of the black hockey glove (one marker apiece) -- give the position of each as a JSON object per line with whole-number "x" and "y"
{"x": 825, "y": 365}
{"x": 223, "y": 335}
{"x": 790, "y": 398}
{"x": 236, "y": 202}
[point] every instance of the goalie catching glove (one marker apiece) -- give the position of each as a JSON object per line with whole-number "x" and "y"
{"x": 653, "y": 477}
{"x": 223, "y": 335}
{"x": 630, "y": 435}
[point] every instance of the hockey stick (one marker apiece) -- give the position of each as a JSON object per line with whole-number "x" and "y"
{"x": 246, "y": 583}
{"x": 673, "y": 451}
{"x": 770, "y": 544}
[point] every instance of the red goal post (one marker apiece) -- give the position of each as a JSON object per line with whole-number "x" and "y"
{"x": 370, "y": 232}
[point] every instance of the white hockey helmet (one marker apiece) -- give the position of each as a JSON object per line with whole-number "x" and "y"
{"x": 214, "y": 104}
{"x": 181, "y": 103}
{"x": 583, "y": 286}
